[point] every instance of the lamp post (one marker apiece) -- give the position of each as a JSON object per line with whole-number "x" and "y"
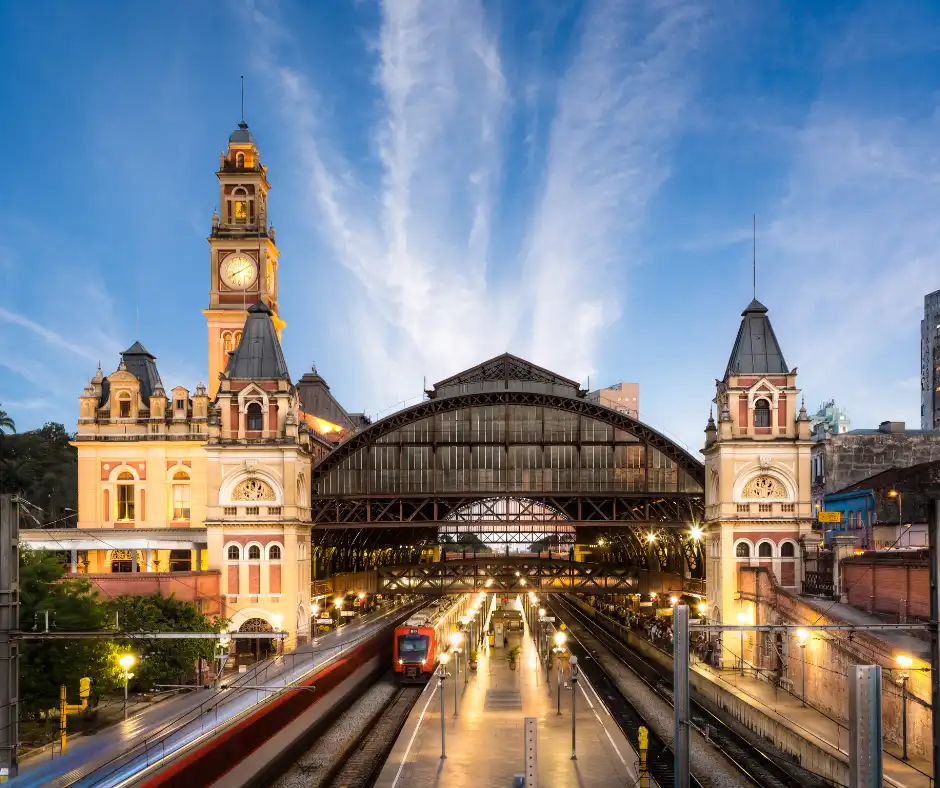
{"x": 338, "y": 606}
{"x": 742, "y": 619}
{"x": 801, "y": 636}
{"x": 541, "y": 630}
{"x": 314, "y": 625}
{"x": 896, "y": 494}
{"x": 456, "y": 638}
{"x": 560, "y": 638}
{"x": 905, "y": 662}
{"x": 125, "y": 662}
{"x": 442, "y": 674}
{"x": 574, "y": 705}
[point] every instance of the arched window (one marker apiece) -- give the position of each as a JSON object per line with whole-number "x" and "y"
{"x": 124, "y": 405}
{"x": 180, "y": 496}
{"x": 274, "y": 553}
{"x": 761, "y": 413}
{"x": 240, "y": 160}
{"x": 241, "y": 206}
{"x": 765, "y": 550}
{"x": 787, "y": 550}
{"x": 254, "y": 553}
{"x": 122, "y": 561}
{"x": 228, "y": 342}
{"x": 233, "y": 552}
{"x": 255, "y": 417}
{"x": 743, "y": 550}
{"x": 125, "y": 496}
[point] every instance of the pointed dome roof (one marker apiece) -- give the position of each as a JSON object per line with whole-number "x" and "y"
{"x": 756, "y": 350}
{"x": 258, "y": 355}
{"x": 142, "y": 364}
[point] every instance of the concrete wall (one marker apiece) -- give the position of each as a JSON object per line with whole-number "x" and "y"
{"x": 827, "y": 659}
{"x": 201, "y": 588}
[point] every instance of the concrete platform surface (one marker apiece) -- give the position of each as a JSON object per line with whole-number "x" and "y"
{"x": 484, "y": 742}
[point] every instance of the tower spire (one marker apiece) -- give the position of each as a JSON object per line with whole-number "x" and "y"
{"x": 243, "y": 98}
{"x": 753, "y": 259}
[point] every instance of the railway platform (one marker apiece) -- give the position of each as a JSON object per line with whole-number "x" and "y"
{"x": 484, "y": 742}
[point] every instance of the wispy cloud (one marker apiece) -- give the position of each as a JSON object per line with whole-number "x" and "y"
{"x": 47, "y": 335}
{"x": 619, "y": 106}
{"x": 856, "y": 245}
{"x": 434, "y": 295}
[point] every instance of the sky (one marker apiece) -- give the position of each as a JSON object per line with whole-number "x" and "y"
{"x": 573, "y": 182}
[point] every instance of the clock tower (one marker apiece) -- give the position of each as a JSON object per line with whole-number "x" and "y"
{"x": 242, "y": 253}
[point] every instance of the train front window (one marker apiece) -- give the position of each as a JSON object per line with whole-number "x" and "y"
{"x": 413, "y": 648}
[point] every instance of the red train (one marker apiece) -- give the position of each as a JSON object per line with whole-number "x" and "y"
{"x": 415, "y": 653}
{"x": 419, "y": 641}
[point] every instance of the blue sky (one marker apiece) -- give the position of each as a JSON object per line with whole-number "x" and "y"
{"x": 570, "y": 181}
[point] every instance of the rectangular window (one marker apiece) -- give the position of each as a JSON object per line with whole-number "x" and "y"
{"x": 124, "y": 408}
{"x": 125, "y": 501}
{"x": 180, "y": 404}
{"x": 180, "y": 501}
{"x": 241, "y": 211}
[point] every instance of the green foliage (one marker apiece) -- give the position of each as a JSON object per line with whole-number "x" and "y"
{"x": 42, "y": 467}
{"x": 6, "y": 422}
{"x": 45, "y": 665}
{"x": 164, "y": 661}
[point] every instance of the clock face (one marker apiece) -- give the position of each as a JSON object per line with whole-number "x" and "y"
{"x": 239, "y": 271}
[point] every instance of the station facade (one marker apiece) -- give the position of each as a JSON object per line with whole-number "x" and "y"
{"x": 222, "y": 493}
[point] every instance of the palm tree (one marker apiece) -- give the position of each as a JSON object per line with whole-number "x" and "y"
{"x": 6, "y": 422}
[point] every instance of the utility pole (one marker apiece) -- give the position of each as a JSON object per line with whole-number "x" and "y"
{"x": 9, "y": 650}
{"x": 933, "y": 536}
{"x": 680, "y": 700}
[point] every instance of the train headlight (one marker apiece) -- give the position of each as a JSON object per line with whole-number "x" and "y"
{"x": 401, "y": 662}
{"x": 424, "y": 662}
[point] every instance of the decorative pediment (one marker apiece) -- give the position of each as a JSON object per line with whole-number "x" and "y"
{"x": 763, "y": 389}
{"x": 764, "y": 487}
{"x": 507, "y": 367}
{"x": 253, "y": 489}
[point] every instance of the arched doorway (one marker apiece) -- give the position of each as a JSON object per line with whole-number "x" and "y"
{"x": 259, "y": 648}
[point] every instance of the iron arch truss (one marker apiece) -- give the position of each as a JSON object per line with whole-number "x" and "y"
{"x": 425, "y": 465}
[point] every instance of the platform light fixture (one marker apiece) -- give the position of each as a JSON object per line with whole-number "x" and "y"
{"x": 338, "y": 602}
{"x": 277, "y": 619}
{"x": 696, "y": 533}
{"x": 674, "y": 600}
{"x": 651, "y": 537}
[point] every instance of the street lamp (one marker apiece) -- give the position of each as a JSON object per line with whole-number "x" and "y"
{"x": 899, "y": 496}
{"x": 442, "y": 674}
{"x": 560, "y": 639}
{"x": 456, "y": 639}
{"x": 801, "y": 637}
{"x": 126, "y": 662}
{"x": 673, "y": 600}
{"x": 742, "y": 619}
{"x": 905, "y": 662}
{"x": 574, "y": 704}
{"x": 315, "y": 610}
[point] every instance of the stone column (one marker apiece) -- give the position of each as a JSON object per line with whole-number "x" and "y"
{"x": 74, "y": 554}
{"x": 134, "y": 566}
{"x": 843, "y": 546}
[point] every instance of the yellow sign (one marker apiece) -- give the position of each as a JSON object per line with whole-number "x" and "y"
{"x": 830, "y": 517}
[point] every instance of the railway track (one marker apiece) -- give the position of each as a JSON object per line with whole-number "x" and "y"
{"x": 754, "y": 764}
{"x": 365, "y": 757}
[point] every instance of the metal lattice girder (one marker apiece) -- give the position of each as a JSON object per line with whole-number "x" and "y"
{"x": 573, "y": 509}
{"x": 583, "y": 407}
{"x": 508, "y": 574}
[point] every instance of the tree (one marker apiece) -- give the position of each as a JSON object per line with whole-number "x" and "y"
{"x": 6, "y": 422}
{"x": 74, "y": 607}
{"x": 164, "y": 661}
{"x": 42, "y": 467}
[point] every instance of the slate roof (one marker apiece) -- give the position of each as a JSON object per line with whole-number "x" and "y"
{"x": 507, "y": 367}
{"x": 756, "y": 350}
{"x": 142, "y": 364}
{"x": 258, "y": 355}
{"x": 241, "y": 134}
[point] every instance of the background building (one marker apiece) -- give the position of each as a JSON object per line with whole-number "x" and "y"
{"x": 930, "y": 362}
{"x": 844, "y": 459}
{"x": 829, "y": 420}
{"x": 623, "y": 397}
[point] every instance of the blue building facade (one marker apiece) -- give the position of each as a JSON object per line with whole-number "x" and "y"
{"x": 858, "y": 514}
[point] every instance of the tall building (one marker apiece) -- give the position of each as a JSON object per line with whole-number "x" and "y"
{"x": 623, "y": 397}
{"x": 757, "y": 463}
{"x": 930, "y": 363}
{"x": 205, "y": 494}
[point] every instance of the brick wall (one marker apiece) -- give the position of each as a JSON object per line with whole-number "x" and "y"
{"x": 888, "y": 585}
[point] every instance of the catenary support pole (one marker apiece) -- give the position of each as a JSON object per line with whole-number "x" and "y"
{"x": 933, "y": 532}
{"x": 9, "y": 623}
{"x": 574, "y": 707}
{"x": 680, "y": 683}
{"x": 865, "y": 727}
